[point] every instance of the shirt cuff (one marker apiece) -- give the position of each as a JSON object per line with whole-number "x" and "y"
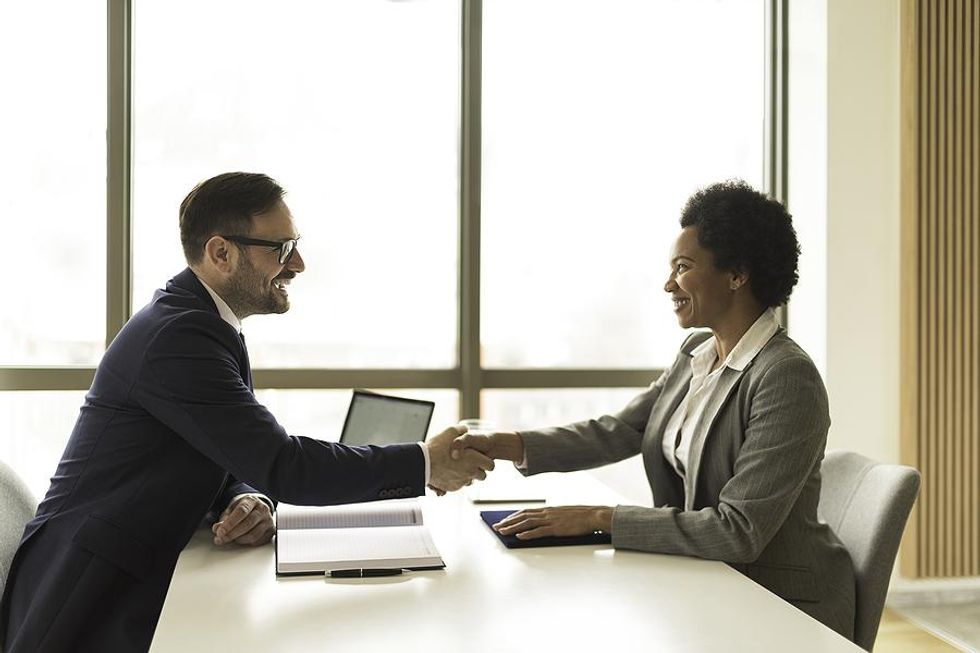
{"x": 261, "y": 497}
{"x": 522, "y": 466}
{"x": 428, "y": 468}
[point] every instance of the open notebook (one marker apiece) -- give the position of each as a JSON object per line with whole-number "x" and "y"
{"x": 376, "y": 535}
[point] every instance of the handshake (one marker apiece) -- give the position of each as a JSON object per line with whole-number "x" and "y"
{"x": 457, "y": 458}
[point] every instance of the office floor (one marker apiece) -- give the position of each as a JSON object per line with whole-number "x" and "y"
{"x": 896, "y": 634}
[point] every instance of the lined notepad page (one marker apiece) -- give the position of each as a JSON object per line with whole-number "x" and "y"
{"x": 341, "y": 548}
{"x": 356, "y": 515}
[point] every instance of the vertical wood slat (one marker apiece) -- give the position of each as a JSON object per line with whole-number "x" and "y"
{"x": 959, "y": 516}
{"x": 959, "y": 445}
{"x": 973, "y": 351}
{"x": 942, "y": 193}
{"x": 935, "y": 342}
{"x": 912, "y": 264}
{"x": 941, "y": 283}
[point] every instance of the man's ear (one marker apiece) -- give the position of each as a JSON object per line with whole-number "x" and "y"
{"x": 220, "y": 255}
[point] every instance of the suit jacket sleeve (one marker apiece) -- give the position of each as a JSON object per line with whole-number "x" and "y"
{"x": 591, "y": 443}
{"x": 784, "y": 438}
{"x": 191, "y": 379}
{"x": 233, "y": 488}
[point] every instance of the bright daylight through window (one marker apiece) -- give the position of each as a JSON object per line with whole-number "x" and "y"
{"x": 598, "y": 120}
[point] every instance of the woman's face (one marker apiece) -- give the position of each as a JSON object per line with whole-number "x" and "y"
{"x": 702, "y": 294}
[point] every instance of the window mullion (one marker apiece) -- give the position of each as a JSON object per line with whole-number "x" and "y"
{"x": 469, "y": 209}
{"x": 119, "y": 269}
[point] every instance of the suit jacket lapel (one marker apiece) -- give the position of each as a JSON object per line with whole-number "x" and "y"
{"x": 726, "y": 384}
{"x": 189, "y": 282}
{"x": 246, "y": 364}
{"x": 663, "y": 479}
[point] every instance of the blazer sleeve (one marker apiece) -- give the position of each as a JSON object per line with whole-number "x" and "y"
{"x": 784, "y": 438}
{"x": 191, "y": 380}
{"x": 591, "y": 443}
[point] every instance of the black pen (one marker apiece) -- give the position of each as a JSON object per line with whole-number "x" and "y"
{"x": 363, "y": 573}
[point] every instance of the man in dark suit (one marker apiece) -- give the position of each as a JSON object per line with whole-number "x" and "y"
{"x": 171, "y": 430}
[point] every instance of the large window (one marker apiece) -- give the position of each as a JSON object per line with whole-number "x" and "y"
{"x": 353, "y": 107}
{"x": 486, "y": 191}
{"x": 52, "y": 181}
{"x": 596, "y": 129}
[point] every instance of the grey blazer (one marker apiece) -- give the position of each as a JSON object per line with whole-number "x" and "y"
{"x": 753, "y": 482}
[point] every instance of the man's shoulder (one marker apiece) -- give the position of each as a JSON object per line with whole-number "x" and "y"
{"x": 175, "y": 312}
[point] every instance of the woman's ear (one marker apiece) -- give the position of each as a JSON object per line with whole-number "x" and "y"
{"x": 737, "y": 279}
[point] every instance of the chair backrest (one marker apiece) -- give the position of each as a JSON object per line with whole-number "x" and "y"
{"x": 867, "y": 504}
{"x": 17, "y": 506}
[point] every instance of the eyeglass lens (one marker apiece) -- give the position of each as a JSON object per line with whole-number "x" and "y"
{"x": 286, "y": 250}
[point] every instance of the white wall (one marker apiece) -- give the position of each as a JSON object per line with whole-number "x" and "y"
{"x": 863, "y": 225}
{"x": 808, "y": 173}
{"x": 844, "y": 197}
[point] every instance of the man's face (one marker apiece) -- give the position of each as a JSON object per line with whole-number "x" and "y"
{"x": 259, "y": 285}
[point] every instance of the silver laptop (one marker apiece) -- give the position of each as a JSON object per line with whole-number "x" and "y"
{"x": 382, "y": 419}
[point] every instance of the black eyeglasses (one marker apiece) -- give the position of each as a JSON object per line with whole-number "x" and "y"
{"x": 285, "y": 247}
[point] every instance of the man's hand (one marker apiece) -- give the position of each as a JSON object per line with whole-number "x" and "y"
{"x": 247, "y": 520}
{"x": 504, "y": 445}
{"x": 450, "y": 473}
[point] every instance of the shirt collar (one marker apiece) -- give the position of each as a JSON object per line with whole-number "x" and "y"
{"x": 224, "y": 310}
{"x": 748, "y": 347}
{"x": 752, "y": 342}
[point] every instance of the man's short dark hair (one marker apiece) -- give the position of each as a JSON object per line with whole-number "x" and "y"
{"x": 747, "y": 231}
{"x": 224, "y": 204}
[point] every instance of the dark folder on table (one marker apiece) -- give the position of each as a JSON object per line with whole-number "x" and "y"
{"x": 491, "y": 517}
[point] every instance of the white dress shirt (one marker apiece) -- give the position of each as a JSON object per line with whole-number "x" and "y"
{"x": 229, "y": 316}
{"x": 690, "y": 417}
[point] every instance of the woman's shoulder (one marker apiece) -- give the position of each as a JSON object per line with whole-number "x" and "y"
{"x": 784, "y": 356}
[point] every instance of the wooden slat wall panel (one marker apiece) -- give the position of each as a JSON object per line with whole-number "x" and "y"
{"x": 941, "y": 283}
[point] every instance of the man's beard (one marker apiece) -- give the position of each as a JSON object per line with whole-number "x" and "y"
{"x": 249, "y": 294}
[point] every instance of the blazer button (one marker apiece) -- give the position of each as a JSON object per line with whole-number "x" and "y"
{"x": 384, "y": 494}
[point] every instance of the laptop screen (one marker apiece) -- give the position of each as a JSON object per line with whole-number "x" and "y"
{"x": 382, "y": 419}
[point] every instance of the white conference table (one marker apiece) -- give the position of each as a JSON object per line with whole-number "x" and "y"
{"x": 488, "y": 598}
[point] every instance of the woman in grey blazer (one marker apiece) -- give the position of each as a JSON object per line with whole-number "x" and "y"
{"x": 732, "y": 434}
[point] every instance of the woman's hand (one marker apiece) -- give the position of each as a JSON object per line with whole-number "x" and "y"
{"x": 556, "y": 521}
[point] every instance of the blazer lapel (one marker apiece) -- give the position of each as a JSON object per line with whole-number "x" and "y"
{"x": 246, "y": 364}
{"x": 663, "y": 479}
{"x": 723, "y": 391}
{"x": 189, "y": 282}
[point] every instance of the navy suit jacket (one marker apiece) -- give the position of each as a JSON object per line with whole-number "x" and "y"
{"x": 169, "y": 429}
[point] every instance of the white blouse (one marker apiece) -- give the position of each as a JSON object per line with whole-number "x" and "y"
{"x": 690, "y": 417}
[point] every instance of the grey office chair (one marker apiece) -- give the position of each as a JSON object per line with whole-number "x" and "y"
{"x": 17, "y": 507}
{"x": 867, "y": 504}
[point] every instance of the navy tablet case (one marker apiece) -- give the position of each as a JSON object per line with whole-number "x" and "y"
{"x": 491, "y": 517}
